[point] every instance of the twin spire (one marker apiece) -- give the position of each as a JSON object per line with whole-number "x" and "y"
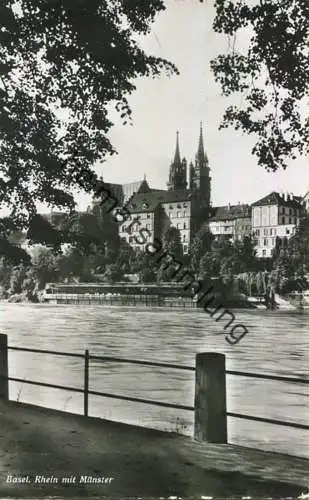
{"x": 200, "y": 149}
{"x": 178, "y": 169}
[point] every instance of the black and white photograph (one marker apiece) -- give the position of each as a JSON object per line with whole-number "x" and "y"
{"x": 154, "y": 249}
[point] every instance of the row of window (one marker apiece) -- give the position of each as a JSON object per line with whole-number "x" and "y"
{"x": 288, "y": 211}
{"x": 272, "y": 231}
{"x": 243, "y": 229}
{"x": 267, "y": 242}
{"x": 179, "y": 205}
{"x": 288, "y": 220}
{"x": 177, "y": 214}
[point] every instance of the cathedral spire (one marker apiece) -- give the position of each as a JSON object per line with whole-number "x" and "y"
{"x": 178, "y": 170}
{"x": 177, "y": 159}
{"x": 200, "y": 150}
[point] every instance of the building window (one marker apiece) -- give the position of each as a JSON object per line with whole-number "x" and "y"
{"x": 184, "y": 225}
{"x": 265, "y": 232}
{"x": 184, "y": 205}
{"x": 290, "y": 220}
{"x": 265, "y": 242}
{"x": 257, "y": 232}
{"x": 275, "y": 231}
{"x": 264, "y": 253}
{"x": 178, "y": 214}
{"x": 184, "y": 237}
{"x": 273, "y": 241}
{"x": 270, "y": 232}
{"x": 185, "y": 214}
{"x": 283, "y": 210}
{"x": 287, "y": 231}
{"x": 148, "y": 226}
{"x": 283, "y": 220}
{"x": 148, "y": 216}
{"x": 185, "y": 248}
{"x": 130, "y": 239}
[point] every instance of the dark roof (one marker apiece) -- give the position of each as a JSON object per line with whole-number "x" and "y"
{"x": 144, "y": 202}
{"x": 123, "y": 192}
{"x": 177, "y": 195}
{"x": 147, "y": 202}
{"x": 229, "y": 212}
{"x": 275, "y": 198}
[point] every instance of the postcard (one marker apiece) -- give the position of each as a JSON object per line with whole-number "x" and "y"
{"x": 154, "y": 249}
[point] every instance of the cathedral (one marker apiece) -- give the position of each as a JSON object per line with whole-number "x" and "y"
{"x": 185, "y": 204}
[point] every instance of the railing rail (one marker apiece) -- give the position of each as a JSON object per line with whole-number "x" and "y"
{"x": 210, "y": 413}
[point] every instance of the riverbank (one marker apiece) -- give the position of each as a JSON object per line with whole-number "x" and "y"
{"x": 143, "y": 300}
{"x": 102, "y": 458}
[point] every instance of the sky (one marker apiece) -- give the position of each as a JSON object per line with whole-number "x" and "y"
{"x": 183, "y": 34}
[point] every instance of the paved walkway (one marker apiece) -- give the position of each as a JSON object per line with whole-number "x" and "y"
{"x": 60, "y": 454}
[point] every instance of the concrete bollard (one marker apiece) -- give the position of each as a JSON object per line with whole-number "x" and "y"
{"x": 4, "y": 367}
{"x": 210, "y": 420}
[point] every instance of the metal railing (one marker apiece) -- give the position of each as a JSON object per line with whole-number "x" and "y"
{"x": 86, "y": 391}
{"x": 210, "y": 383}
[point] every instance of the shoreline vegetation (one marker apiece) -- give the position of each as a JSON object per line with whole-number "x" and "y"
{"x": 95, "y": 253}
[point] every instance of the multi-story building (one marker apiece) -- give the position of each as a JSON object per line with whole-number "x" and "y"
{"x": 232, "y": 222}
{"x": 275, "y": 215}
{"x": 153, "y": 210}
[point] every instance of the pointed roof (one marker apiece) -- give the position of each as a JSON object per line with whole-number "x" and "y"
{"x": 200, "y": 150}
{"x": 230, "y": 212}
{"x": 275, "y": 198}
{"x": 123, "y": 192}
{"x": 177, "y": 159}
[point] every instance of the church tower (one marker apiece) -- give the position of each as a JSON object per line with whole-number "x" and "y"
{"x": 178, "y": 170}
{"x": 200, "y": 180}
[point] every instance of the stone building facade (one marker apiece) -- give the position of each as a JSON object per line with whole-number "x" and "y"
{"x": 275, "y": 215}
{"x": 184, "y": 205}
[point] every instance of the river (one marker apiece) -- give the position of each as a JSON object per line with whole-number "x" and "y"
{"x": 277, "y": 343}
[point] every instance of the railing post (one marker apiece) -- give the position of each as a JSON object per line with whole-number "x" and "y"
{"x": 4, "y": 367}
{"x": 86, "y": 383}
{"x": 210, "y": 421}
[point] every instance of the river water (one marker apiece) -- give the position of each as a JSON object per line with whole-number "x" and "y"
{"x": 277, "y": 343}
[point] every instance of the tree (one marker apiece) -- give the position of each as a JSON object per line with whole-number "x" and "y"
{"x": 291, "y": 259}
{"x": 45, "y": 266}
{"x": 17, "y": 277}
{"x": 245, "y": 254}
{"x": 272, "y": 74}
{"x": 63, "y": 64}
{"x": 113, "y": 273}
{"x": 200, "y": 245}
{"x": 172, "y": 242}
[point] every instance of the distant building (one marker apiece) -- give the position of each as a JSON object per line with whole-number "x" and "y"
{"x": 154, "y": 211}
{"x": 232, "y": 222}
{"x": 275, "y": 215}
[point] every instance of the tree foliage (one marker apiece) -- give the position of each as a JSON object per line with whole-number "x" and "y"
{"x": 272, "y": 74}
{"x": 63, "y": 64}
